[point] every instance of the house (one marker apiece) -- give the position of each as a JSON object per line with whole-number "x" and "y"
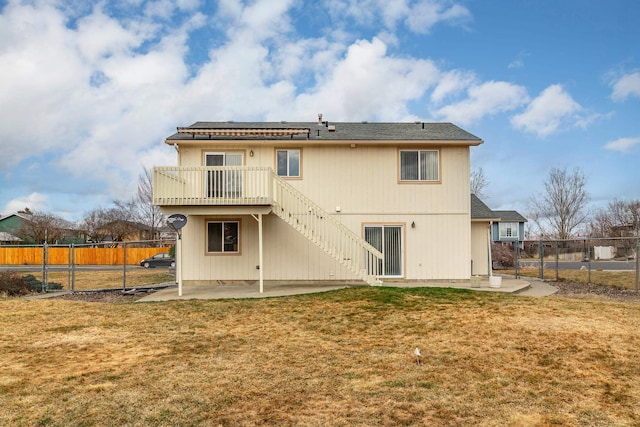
{"x": 35, "y": 228}
{"x": 12, "y": 223}
{"x": 319, "y": 201}
{"x": 123, "y": 231}
{"x": 8, "y": 238}
{"x": 509, "y": 229}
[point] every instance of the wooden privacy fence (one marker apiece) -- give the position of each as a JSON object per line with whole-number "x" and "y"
{"x": 62, "y": 255}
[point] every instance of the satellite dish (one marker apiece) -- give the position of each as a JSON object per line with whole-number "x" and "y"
{"x": 177, "y": 221}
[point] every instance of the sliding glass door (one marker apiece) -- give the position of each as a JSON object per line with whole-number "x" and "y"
{"x": 223, "y": 184}
{"x": 388, "y": 240}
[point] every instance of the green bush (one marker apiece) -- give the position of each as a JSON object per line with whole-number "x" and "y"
{"x": 12, "y": 284}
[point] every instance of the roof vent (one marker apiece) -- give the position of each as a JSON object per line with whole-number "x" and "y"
{"x": 332, "y": 128}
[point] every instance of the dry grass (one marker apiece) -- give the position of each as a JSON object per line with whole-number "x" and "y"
{"x": 615, "y": 279}
{"x": 108, "y": 279}
{"x": 339, "y": 358}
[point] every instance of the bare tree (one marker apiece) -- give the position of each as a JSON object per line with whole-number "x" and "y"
{"x": 148, "y": 213}
{"x": 478, "y": 182}
{"x": 94, "y": 224}
{"x": 122, "y": 219}
{"x": 562, "y": 209}
{"x": 42, "y": 227}
{"x": 620, "y": 217}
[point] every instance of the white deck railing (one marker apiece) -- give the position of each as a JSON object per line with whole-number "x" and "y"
{"x": 242, "y": 185}
{"x": 211, "y": 185}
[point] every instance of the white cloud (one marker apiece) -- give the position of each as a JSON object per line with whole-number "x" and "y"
{"x": 34, "y": 201}
{"x": 626, "y": 86}
{"x": 624, "y": 145}
{"x": 484, "y": 100}
{"x": 553, "y": 108}
{"x": 427, "y": 13}
{"x": 369, "y": 84}
{"x": 419, "y": 16}
{"x": 451, "y": 83}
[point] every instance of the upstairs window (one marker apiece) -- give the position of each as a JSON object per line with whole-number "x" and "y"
{"x": 419, "y": 165}
{"x": 508, "y": 230}
{"x": 288, "y": 163}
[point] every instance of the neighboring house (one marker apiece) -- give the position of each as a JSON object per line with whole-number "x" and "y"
{"x": 12, "y": 223}
{"x": 125, "y": 231}
{"x": 506, "y": 227}
{"x": 17, "y": 223}
{"x": 8, "y": 238}
{"x": 319, "y": 201}
{"x": 509, "y": 229}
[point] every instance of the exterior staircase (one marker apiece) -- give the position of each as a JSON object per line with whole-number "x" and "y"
{"x": 326, "y": 232}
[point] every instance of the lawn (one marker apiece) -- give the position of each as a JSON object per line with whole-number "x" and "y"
{"x": 338, "y": 358}
{"x": 107, "y": 279}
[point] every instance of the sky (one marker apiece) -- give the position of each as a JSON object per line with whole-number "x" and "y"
{"x": 90, "y": 89}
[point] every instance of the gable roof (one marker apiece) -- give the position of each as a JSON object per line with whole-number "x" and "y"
{"x": 480, "y": 211}
{"x": 325, "y": 131}
{"x": 510, "y": 216}
{"x": 26, "y": 217}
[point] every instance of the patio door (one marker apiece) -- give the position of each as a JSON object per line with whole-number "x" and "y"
{"x": 223, "y": 183}
{"x": 388, "y": 240}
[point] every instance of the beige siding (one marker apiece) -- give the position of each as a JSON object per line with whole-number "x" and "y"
{"x": 287, "y": 254}
{"x": 364, "y": 183}
{"x": 480, "y": 248}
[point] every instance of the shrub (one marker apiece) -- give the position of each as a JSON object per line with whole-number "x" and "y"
{"x": 502, "y": 255}
{"x": 12, "y": 284}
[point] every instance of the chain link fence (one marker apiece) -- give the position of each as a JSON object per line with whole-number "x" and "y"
{"x": 609, "y": 261}
{"x": 93, "y": 266}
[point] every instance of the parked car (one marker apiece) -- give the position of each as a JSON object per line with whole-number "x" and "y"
{"x": 159, "y": 260}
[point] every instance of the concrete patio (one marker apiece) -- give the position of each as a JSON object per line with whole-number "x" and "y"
{"x": 223, "y": 291}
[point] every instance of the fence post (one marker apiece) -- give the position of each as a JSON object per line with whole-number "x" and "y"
{"x": 124, "y": 270}
{"x": 589, "y": 260}
{"x": 541, "y": 253}
{"x": 517, "y": 260}
{"x": 637, "y": 262}
{"x": 69, "y": 266}
{"x": 557, "y": 261}
{"x": 44, "y": 266}
{"x": 72, "y": 285}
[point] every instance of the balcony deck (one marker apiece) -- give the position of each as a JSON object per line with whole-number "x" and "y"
{"x": 212, "y": 186}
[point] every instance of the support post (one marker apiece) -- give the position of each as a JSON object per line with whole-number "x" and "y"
{"x": 260, "y": 251}
{"x": 179, "y": 263}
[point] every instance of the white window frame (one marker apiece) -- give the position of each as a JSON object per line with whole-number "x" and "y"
{"x": 508, "y": 230}
{"x": 288, "y": 154}
{"x": 223, "y": 250}
{"x": 420, "y": 177}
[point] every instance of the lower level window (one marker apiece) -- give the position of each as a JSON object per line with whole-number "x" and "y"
{"x": 222, "y": 236}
